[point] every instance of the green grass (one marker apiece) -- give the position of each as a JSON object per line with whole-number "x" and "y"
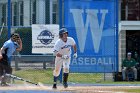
{"x": 128, "y": 90}
{"x": 36, "y": 75}
{"x": 85, "y": 77}
{"x": 46, "y": 77}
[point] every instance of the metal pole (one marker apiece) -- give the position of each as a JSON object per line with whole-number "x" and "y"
{"x": 117, "y": 36}
{"x": 60, "y": 13}
{"x": 9, "y": 18}
{"x": 60, "y": 25}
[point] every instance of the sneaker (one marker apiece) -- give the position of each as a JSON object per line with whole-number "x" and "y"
{"x": 54, "y": 86}
{"x": 65, "y": 85}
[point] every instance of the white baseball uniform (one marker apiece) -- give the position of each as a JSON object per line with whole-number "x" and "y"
{"x": 63, "y": 48}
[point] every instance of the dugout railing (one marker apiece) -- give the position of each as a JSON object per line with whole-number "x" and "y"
{"x": 32, "y": 59}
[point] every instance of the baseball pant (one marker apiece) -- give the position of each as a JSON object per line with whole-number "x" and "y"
{"x": 124, "y": 72}
{"x": 59, "y": 62}
{"x": 5, "y": 69}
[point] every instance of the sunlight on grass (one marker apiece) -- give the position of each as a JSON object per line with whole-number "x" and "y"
{"x": 46, "y": 77}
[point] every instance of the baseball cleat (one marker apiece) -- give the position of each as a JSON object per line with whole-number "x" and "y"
{"x": 65, "y": 85}
{"x": 54, "y": 86}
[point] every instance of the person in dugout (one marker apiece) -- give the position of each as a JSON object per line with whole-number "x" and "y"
{"x": 129, "y": 64}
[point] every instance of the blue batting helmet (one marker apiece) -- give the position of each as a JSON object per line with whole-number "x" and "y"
{"x": 62, "y": 31}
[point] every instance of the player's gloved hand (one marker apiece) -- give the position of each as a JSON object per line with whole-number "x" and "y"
{"x": 75, "y": 55}
{"x": 65, "y": 56}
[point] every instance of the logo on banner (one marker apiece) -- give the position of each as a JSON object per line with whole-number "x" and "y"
{"x": 45, "y": 37}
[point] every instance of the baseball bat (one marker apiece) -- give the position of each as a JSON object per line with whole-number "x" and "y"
{"x": 18, "y": 78}
{"x": 1, "y": 29}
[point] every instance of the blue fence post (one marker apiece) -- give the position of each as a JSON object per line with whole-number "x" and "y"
{"x": 60, "y": 24}
{"x": 117, "y": 36}
{"x": 116, "y": 65}
{"x": 9, "y": 18}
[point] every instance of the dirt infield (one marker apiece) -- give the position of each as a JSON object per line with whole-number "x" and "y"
{"x": 70, "y": 89}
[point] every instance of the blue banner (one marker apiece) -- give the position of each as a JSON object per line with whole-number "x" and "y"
{"x": 92, "y": 23}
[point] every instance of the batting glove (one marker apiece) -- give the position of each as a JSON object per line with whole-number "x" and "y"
{"x": 75, "y": 55}
{"x": 65, "y": 56}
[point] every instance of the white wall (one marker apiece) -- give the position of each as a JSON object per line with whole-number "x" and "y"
{"x": 123, "y": 26}
{"x": 26, "y": 17}
{"x": 122, "y": 47}
{"x": 40, "y": 17}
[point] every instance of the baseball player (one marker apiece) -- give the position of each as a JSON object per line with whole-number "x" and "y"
{"x": 62, "y": 51}
{"x": 9, "y": 47}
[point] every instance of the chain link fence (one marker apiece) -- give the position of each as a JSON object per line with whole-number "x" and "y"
{"x": 23, "y": 14}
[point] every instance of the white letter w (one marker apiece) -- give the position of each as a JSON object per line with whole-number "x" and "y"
{"x": 92, "y": 21}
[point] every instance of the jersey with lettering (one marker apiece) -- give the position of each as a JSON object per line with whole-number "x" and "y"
{"x": 64, "y": 48}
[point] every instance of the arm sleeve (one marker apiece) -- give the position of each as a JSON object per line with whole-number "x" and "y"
{"x": 5, "y": 46}
{"x": 56, "y": 47}
{"x": 72, "y": 42}
{"x": 135, "y": 62}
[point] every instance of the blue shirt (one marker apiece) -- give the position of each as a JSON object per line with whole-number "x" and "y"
{"x": 11, "y": 48}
